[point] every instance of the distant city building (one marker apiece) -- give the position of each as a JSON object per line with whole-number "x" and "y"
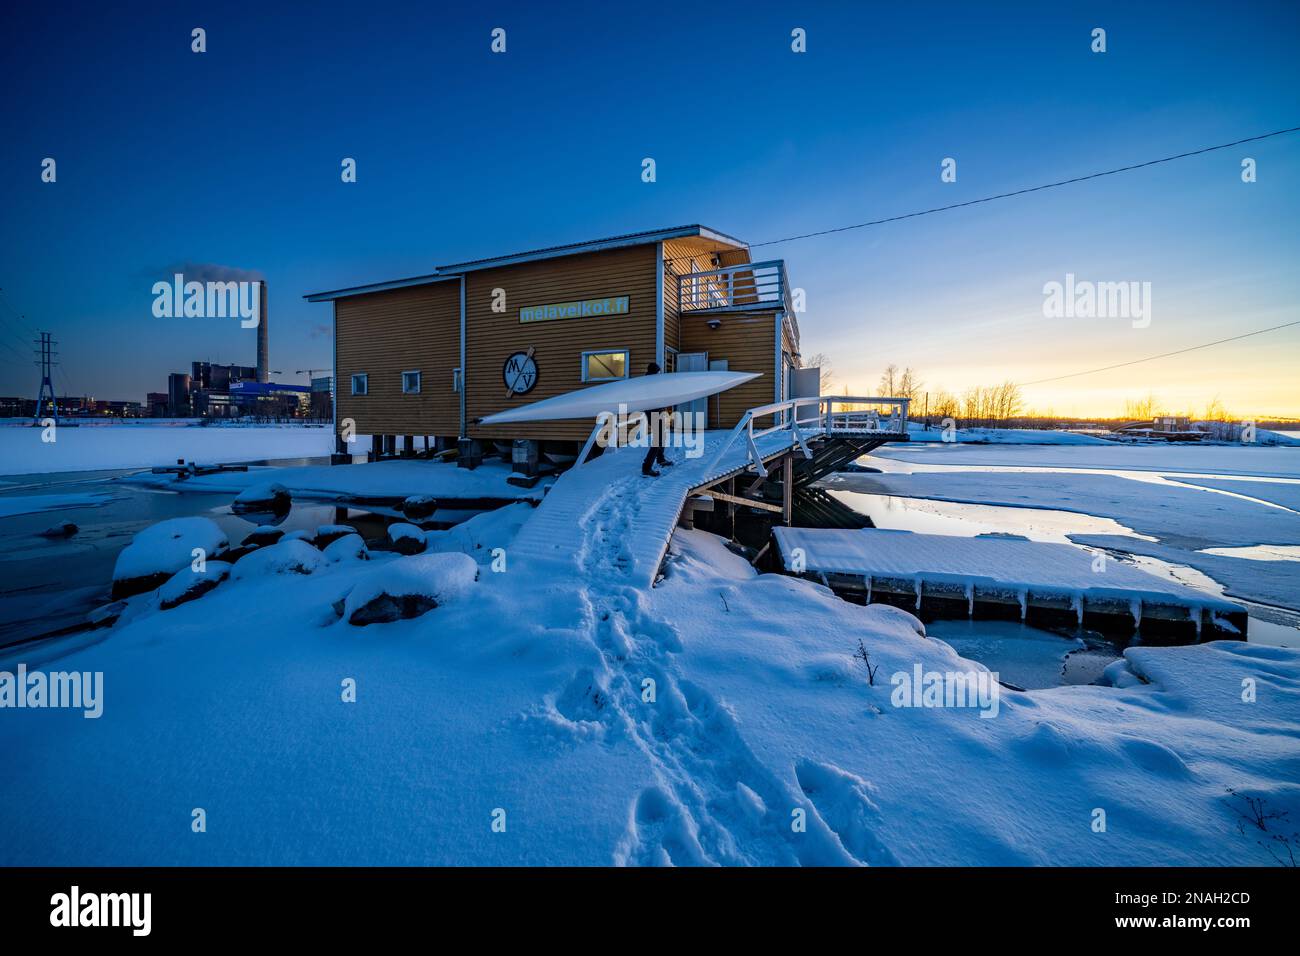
{"x": 72, "y": 406}
{"x": 179, "y": 387}
{"x": 212, "y": 375}
{"x": 213, "y": 390}
{"x": 271, "y": 400}
{"x": 322, "y": 397}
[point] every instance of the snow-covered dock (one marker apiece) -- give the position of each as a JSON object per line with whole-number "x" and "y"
{"x": 949, "y": 574}
{"x": 606, "y": 516}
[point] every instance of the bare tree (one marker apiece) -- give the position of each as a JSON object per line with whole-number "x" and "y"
{"x": 1142, "y": 409}
{"x": 909, "y": 385}
{"x": 1216, "y": 412}
{"x": 944, "y": 404}
{"x": 822, "y": 361}
{"x": 889, "y": 381}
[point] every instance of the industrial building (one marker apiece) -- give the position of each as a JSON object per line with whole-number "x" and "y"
{"x": 430, "y": 356}
{"x": 213, "y": 390}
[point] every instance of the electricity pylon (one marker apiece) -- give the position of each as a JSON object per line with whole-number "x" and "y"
{"x": 47, "y": 363}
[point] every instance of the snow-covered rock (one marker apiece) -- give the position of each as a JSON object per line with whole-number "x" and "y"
{"x": 326, "y": 534}
{"x": 106, "y": 614}
{"x": 270, "y": 496}
{"x": 287, "y": 557}
{"x": 408, "y": 587}
{"x": 350, "y": 547}
{"x": 406, "y": 538}
{"x": 263, "y": 536}
{"x": 159, "y": 551}
{"x": 64, "y": 529}
{"x": 301, "y": 534}
{"x": 482, "y": 534}
{"x": 417, "y": 507}
{"x": 1120, "y": 674}
{"x": 188, "y": 584}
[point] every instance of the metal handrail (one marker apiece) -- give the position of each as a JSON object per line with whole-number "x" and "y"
{"x": 827, "y": 422}
{"x": 746, "y": 286}
{"x": 855, "y": 421}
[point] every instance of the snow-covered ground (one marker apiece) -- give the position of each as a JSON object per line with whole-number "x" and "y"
{"x": 719, "y": 718}
{"x": 103, "y": 447}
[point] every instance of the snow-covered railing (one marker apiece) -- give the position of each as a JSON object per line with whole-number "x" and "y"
{"x": 864, "y": 415}
{"x": 754, "y": 285}
{"x": 805, "y": 418}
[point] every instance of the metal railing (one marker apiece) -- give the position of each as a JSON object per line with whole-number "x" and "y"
{"x": 755, "y": 285}
{"x": 863, "y": 417}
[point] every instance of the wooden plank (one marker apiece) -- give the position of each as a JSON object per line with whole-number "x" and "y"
{"x": 386, "y": 333}
{"x": 558, "y": 345}
{"x": 747, "y": 502}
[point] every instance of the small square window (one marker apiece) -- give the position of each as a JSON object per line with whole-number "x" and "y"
{"x": 361, "y": 384}
{"x": 604, "y": 366}
{"x": 411, "y": 383}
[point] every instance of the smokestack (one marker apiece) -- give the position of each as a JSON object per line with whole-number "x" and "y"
{"x": 263, "y": 345}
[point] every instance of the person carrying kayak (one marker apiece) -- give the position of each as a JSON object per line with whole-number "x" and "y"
{"x": 658, "y": 428}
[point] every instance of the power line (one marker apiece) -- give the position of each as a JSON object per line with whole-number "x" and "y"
{"x": 1007, "y": 195}
{"x": 1152, "y": 358}
{"x": 27, "y": 330}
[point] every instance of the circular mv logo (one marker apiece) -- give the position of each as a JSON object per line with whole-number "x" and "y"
{"x": 520, "y": 373}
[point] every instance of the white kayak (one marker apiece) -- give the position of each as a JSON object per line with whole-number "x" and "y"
{"x": 640, "y": 394}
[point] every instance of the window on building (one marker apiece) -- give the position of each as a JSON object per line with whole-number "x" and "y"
{"x": 411, "y": 383}
{"x": 455, "y": 380}
{"x": 604, "y": 366}
{"x": 361, "y": 384}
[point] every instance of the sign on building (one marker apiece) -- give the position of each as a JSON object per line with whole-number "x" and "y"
{"x": 582, "y": 309}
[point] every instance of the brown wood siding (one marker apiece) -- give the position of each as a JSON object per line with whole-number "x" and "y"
{"x": 493, "y": 336}
{"x": 681, "y": 257}
{"x": 672, "y": 317}
{"x": 747, "y": 340}
{"x": 384, "y": 334}
{"x": 790, "y": 349}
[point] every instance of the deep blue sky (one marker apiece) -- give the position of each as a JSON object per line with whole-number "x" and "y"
{"x": 232, "y": 157}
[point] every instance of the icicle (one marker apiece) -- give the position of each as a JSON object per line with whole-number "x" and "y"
{"x": 1135, "y": 607}
{"x": 1024, "y": 603}
{"x": 918, "y": 592}
{"x": 867, "y": 581}
{"x": 970, "y": 598}
{"x": 1076, "y": 602}
{"x": 1195, "y": 613}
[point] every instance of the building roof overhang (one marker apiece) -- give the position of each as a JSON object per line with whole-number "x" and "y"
{"x": 597, "y": 245}
{"x": 457, "y": 269}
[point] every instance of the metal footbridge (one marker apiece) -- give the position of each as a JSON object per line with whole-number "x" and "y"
{"x": 604, "y": 516}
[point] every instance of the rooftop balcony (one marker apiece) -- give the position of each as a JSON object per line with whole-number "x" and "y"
{"x": 760, "y": 286}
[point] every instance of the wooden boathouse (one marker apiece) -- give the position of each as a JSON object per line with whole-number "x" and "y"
{"x": 424, "y": 359}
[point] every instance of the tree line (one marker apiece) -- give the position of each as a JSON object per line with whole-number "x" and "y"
{"x": 985, "y": 406}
